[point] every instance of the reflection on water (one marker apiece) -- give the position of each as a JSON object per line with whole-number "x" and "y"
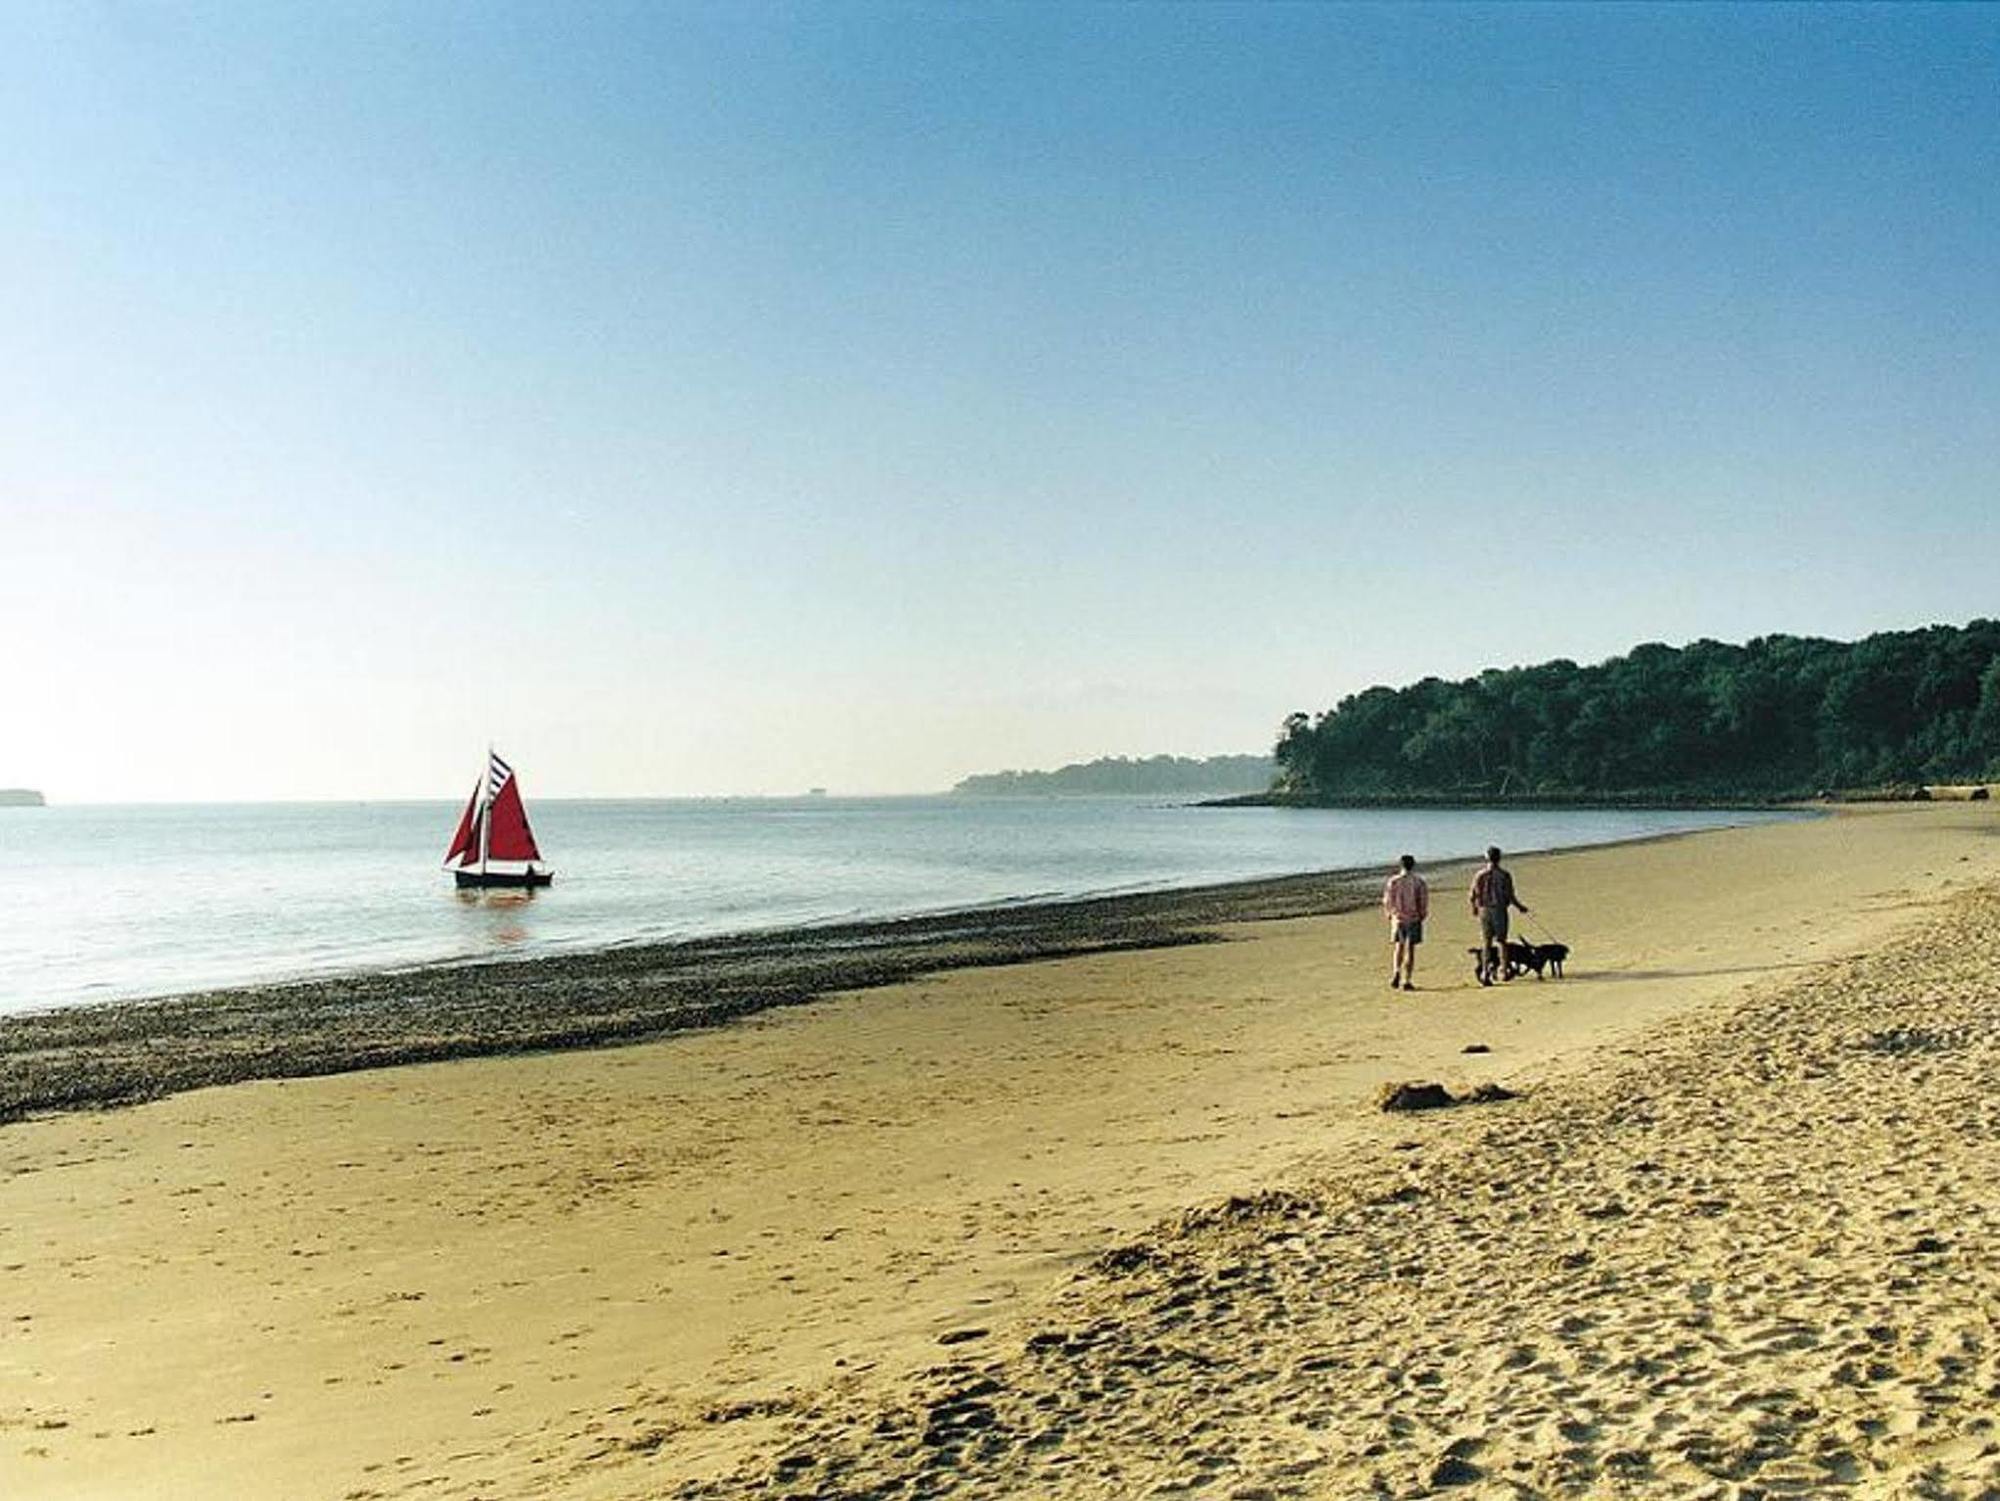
{"x": 505, "y": 924}
{"x": 495, "y": 896}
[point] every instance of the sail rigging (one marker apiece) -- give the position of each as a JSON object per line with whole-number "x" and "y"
{"x": 493, "y": 827}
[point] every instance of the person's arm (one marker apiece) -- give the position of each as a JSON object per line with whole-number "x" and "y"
{"x": 1515, "y": 897}
{"x": 1423, "y": 900}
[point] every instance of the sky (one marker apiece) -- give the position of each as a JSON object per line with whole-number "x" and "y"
{"x": 734, "y": 399}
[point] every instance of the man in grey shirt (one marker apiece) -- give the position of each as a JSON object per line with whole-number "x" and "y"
{"x": 1492, "y": 895}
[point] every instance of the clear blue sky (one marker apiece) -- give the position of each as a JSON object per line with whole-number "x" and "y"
{"x": 708, "y": 399}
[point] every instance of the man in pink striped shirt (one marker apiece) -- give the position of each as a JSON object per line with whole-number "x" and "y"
{"x": 1406, "y": 901}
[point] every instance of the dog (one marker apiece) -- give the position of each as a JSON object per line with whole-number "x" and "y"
{"x": 1537, "y": 956}
{"x": 1520, "y": 958}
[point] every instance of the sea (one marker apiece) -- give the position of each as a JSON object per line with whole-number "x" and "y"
{"x": 115, "y": 902}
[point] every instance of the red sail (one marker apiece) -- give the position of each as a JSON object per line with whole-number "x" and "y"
{"x": 466, "y": 841}
{"x": 511, "y": 838}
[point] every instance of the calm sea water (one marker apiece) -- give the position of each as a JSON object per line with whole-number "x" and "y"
{"x": 107, "y": 902}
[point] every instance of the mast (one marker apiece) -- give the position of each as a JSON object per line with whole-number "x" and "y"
{"x": 486, "y": 807}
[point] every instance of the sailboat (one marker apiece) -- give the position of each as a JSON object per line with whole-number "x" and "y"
{"x": 494, "y": 845}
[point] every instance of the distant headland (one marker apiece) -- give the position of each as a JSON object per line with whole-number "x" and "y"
{"x": 21, "y": 797}
{"x": 1180, "y": 776}
{"x": 1778, "y": 719}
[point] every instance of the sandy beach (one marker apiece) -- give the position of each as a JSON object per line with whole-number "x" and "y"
{"x": 1106, "y": 1224}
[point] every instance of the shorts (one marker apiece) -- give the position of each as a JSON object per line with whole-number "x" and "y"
{"x": 1412, "y": 930}
{"x": 1493, "y": 924}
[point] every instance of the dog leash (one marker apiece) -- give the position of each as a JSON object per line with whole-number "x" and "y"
{"x": 1530, "y": 920}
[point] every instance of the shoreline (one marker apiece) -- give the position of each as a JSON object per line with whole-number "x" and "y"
{"x": 103, "y": 1054}
{"x": 114, "y": 1053}
{"x": 265, "y": 965}
{"x": 1637, "y": 802}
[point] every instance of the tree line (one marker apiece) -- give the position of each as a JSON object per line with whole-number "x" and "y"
{"x": 1781, "y": 716}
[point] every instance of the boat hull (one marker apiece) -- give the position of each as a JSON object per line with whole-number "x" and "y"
{"x": 517, "y": 880}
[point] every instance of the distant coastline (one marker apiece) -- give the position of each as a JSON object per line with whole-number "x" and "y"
{"x": 1179, "y": 776}
{"x": 21, "y": 797}
{"x": 1664, "y": 801}
{"x": 1636, "y": 801}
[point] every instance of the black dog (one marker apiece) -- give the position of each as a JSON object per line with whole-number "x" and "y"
{"x": 1520, "y": 958}
{"x": 1537, "y": 956}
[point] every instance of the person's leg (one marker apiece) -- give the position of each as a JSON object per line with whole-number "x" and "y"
{"x": 1395, "y": 959}
{"x": 1492, "y": 959}
{"x": 1410, "y": 962}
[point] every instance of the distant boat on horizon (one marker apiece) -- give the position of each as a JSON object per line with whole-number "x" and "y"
{"x": 494, "y": 828}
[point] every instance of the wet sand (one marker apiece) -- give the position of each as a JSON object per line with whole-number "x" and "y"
{"x": 975, "y": 1231}
{"x": 119, "y": 1053}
